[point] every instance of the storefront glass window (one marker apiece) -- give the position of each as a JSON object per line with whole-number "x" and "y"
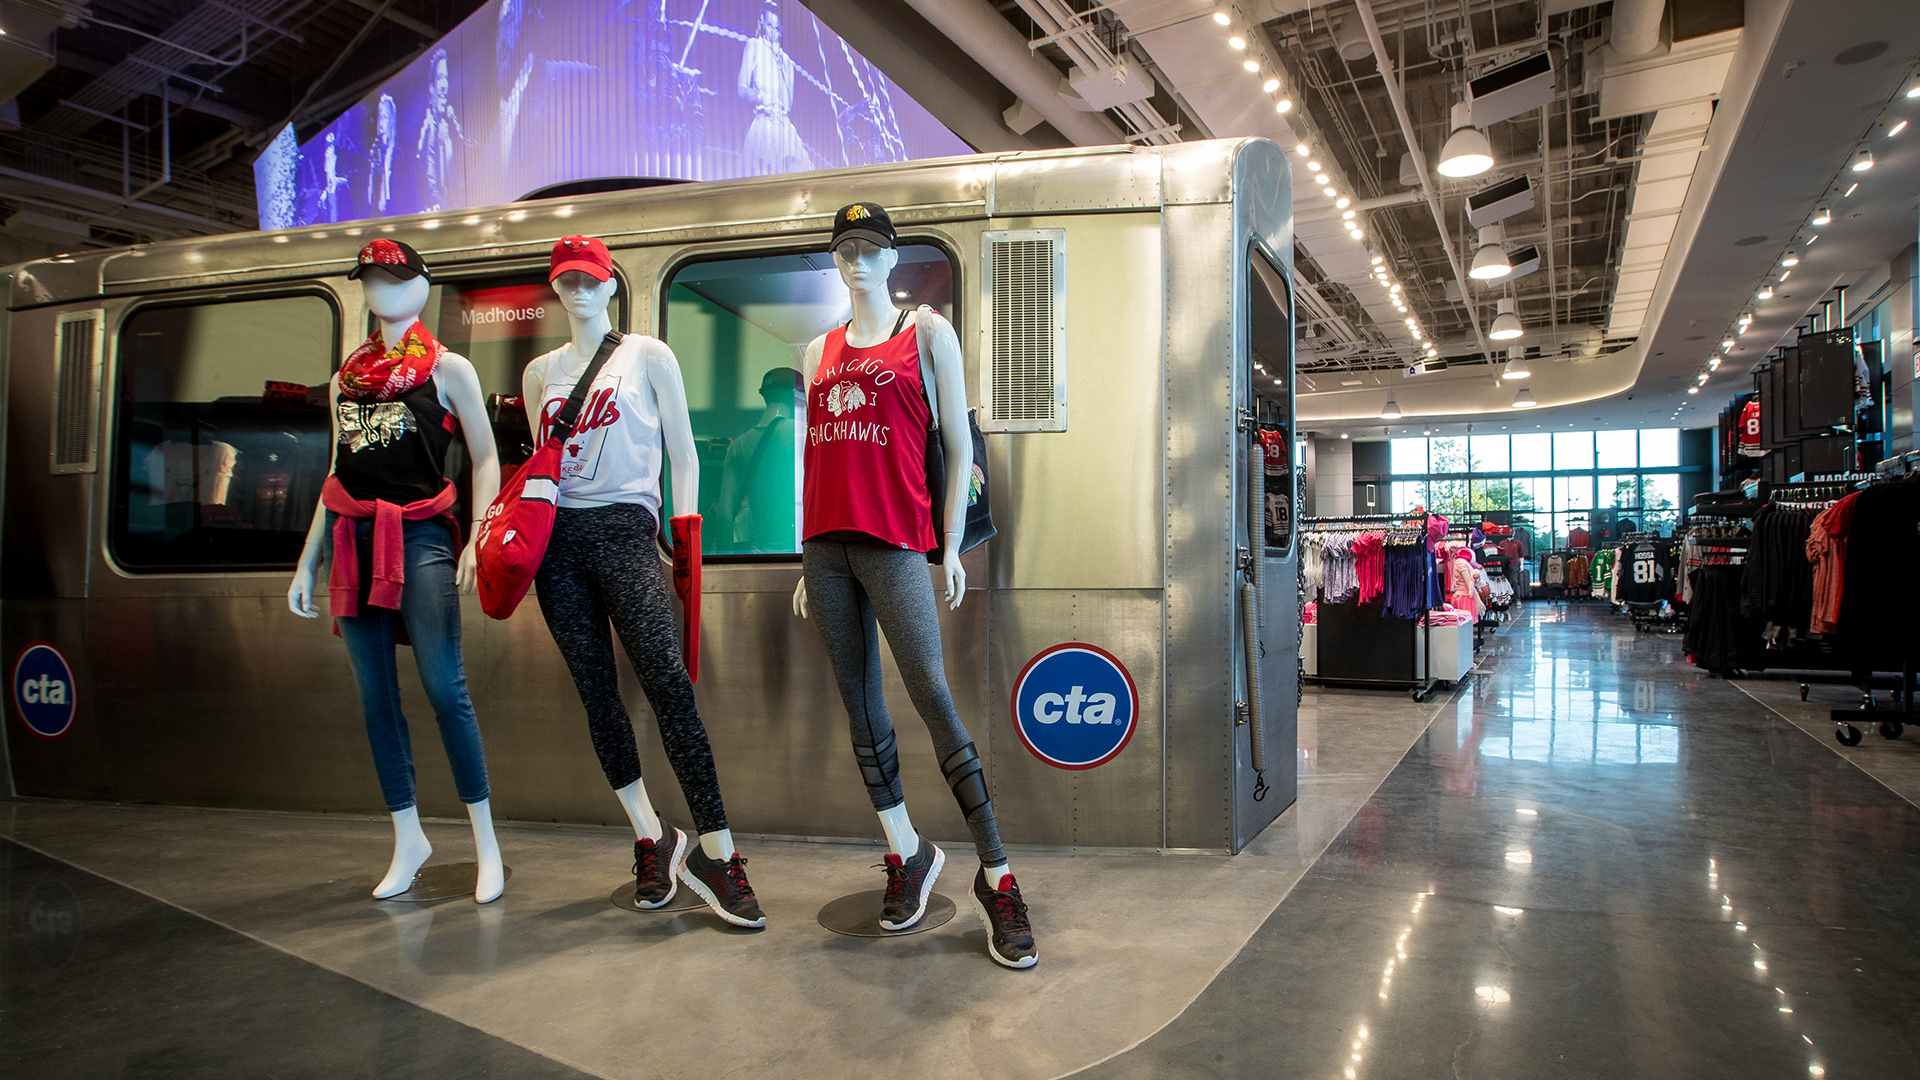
{"x": 1488, "y": 454}
{"x": 1532, "y": 453}
{"x": 1660, "y": 448}
{"x": 1447, "y": 455}
{"x": 1409, "y": 457}
{"x": 1572, "y": 450}
{"x": 1616, "y": 449}
{"x": 222, "y": 437}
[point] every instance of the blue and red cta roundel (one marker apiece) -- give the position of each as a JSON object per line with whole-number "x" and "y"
{"x": 1075, "y": 706}
{"x": 43, "y": 690}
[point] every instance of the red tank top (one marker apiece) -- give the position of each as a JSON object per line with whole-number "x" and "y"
{"x": 866, "y": 461}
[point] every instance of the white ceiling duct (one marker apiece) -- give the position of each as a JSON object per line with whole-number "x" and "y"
{"x": 1351, "y": 39}
{"x": 1636, "y": 26}
{"x": 992, "y": 41}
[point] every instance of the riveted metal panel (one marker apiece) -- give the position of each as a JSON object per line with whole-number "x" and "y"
{"x": 1073, "y": 181}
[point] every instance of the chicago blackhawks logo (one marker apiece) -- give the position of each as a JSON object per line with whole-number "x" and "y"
{"x": 857, "y": 212}
{"x": 372, "y": 424}
{"x": 845, "y": 397}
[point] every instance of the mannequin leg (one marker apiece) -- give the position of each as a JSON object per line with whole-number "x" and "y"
{"x": 577, "y": 618}
{"x": 492, "y": 877}
{"x": 646, "y": 823}
{"x": 902, "y": 840}
{"x": 901, "y": 593}
{"x": 410, "y": 852}
{"x": 633, "y": 587}
{"x": 430, "y": 606}
{"x": 845, "y": 619}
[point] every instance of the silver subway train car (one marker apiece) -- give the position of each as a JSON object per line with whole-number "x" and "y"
{"x": 1126, "y": 320}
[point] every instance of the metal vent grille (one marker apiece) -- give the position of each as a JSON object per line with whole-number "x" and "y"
{"x": 1026, "y": 369}
{"x": 76, "y": 392}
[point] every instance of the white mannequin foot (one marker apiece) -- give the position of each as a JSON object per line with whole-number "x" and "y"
{"x": 410, "y": 852}
{"x": 491, "y": 879}
{"x": 901, "y": 837}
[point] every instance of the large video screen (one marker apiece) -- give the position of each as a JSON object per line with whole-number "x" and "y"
{"x": 529, "y": 93}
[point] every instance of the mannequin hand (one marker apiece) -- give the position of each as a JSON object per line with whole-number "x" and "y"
{"x": 467, "y": 573}
{"x": 800, "y": 598}
{"x": 956, "y": 578}
{"x": 300, "y": 593}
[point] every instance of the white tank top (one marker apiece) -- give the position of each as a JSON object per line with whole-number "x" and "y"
{"x": 615, "y": 452}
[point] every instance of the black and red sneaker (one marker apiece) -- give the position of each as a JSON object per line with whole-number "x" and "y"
{"x": 1009, "y": 933}
{"x": 723, "y": 885}
{"x": 909, "y": 883}
{"x": 656, "y": 869}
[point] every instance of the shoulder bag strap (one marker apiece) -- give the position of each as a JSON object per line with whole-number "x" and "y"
{"x": 570, "y": 412}
{"x": 927, "y": 389}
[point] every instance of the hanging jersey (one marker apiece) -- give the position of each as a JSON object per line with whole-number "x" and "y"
{"x": 1554, "y": 570}
{"x": 394, "y": 451}
{"x": 614, "y": 455}
{"x": 1750, "y": 430}
{"x": 1644, "y": 580}
{"x": 866, "y": 455}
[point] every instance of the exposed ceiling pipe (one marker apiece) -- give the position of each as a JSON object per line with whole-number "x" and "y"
{"x": 992, "y": 41}
{"x": 1636, "y": 26}
{"x": 1391, "y": 77}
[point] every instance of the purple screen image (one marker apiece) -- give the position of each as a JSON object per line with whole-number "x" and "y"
{"x": 529, "y": 93}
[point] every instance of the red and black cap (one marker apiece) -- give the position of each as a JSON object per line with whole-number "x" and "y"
{"x": 862, "y": 221}
{"x": 393, "y": 256}
{"x": 582, "y": 253}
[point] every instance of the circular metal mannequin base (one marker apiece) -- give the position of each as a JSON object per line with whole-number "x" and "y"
{"x": 444, "y": 882}
{"x": 858, "y": 915}
{"x": 684, "y": 899}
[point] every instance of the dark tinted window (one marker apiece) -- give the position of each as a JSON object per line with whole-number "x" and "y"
{"x": 221, "y": 442}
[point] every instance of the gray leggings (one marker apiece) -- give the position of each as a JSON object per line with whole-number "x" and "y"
{"x": 848, "y": 586}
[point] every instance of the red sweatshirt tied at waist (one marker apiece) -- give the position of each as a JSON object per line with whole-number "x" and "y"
{"x": 389, "y": 544}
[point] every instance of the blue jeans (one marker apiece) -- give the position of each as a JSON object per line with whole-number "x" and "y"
{"x": 430, "y": 611}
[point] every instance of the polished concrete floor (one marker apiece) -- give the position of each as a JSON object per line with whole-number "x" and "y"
{"x": 1590, "y": 860}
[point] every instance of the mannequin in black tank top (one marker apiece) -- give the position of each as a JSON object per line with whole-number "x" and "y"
{"x": 393, "y": 452}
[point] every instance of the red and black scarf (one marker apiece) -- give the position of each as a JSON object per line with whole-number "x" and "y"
{"x": 375, "y": 373}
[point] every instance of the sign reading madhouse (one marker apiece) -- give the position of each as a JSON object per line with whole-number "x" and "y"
{"x": 1075, "y": 706}
{"x": 526, "y": 94}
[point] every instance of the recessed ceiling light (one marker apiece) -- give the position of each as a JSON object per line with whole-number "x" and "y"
{"x": 1693, "y": 389}
{"x": 1250, "y": 65}
{"x": 1270, "y": 85}
{"x": 1791, "y": 258}
{"x": 1222, "y": 18}
{"x": 1343, "y": 202}
{"x": 1302, "y": 149}
{"x": 1862, "y": 158}
{"x": 1851, "y": 188}
{"x": 1727, "y": 343}
{"x": 1330, "y": 192}
{"x": 1896, "y": 129}
{"x": 1237, "y": 41}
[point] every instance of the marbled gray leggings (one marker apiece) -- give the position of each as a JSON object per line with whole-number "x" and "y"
{"x": 602, "y": 568}
{"x": 849, "y": 587}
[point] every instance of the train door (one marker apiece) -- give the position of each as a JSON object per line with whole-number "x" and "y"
{"x": 1267, "y": 602}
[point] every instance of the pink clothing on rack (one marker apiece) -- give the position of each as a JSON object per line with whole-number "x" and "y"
{"x": 1827, "y": 551}
{"x": 1370, "y": 565}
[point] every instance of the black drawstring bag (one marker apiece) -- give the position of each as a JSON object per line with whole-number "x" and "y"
{"x": 979, "y": 528}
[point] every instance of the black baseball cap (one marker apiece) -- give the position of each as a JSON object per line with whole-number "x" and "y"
{"x": 780, "y": 381}
{"x": 391, "y": 255}
{"x": 863, "y": 221}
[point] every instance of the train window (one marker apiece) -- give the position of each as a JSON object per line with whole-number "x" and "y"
{"x": 1270, "y": 352}
{"x": 222, "y": 438}
{"x": 739, "y": 328}
{"x": 501, "y": 322}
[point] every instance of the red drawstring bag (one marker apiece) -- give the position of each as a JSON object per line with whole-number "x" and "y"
{"x": 512, "y": 540}
{"x": 685, "y": 530}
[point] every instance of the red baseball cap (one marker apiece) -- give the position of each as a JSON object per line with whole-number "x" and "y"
{"x": 582, "y": 253}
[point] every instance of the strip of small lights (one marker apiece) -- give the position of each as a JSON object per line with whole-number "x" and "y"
{"x": 1815, "y": 1068}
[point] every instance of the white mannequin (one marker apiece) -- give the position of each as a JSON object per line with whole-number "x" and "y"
{"x": 396, "y": 303}
{"x": 585, "y": 299}
{"x": 865, "y": 267}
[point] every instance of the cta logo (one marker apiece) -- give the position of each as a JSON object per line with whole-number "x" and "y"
{"x": 1075, "y": 706}
{"x": 43, "y": 690}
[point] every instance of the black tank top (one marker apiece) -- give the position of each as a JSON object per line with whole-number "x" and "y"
{"x": 396, "y": 450}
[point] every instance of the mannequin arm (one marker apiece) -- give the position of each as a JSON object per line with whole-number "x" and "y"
{"x": 307, "y": 571}
{"x": 676, "y": 429}
{"x": 460, "y": 385}
{"x": 950, "y": 383}
{"x": 809, "y": 363}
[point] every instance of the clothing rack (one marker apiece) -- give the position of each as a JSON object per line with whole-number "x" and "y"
{"x": 1345, "y": 622}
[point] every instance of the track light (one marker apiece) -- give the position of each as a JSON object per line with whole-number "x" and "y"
{"x": 1822, "y": 213}
{"x": 1896, "y": 129}
{"x": 1703, "y": 378}
{"x": 1693, "y": 389}
{"x": 1343, "y": 202}
{"x": 1791, "y": 258}
{"x": 1302, "y": 149}
{"x": 1726, "y": 343}
{"x": 1467, "y": 151}
{"x": 1524, "y": 399}
{"x": 1323, "y": 178}
{"x": 1237, "y": 42}
{"x": 1378, "y": 259}
{"x": 1506, "y": 325}
{"x": 1490, "y": 262}
{"x": 1713, "y": 364}
{"x": 1270, "y": 85}
{"x": 1222, "y": 18}
{"x": 1862, "y": 159}
{"x": 1765, "y": 293}
{"x": 1391, "y": 410}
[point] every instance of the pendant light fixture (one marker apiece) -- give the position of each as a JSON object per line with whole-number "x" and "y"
{"x": 1391, "y": 410}
{"x": 1516, "y": 365}
{"x": 1506, "y": 325}
{"x": 1490, "y": 262}
{"x": 1524, "y": 399}
{"x": 1467, "y": 151}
